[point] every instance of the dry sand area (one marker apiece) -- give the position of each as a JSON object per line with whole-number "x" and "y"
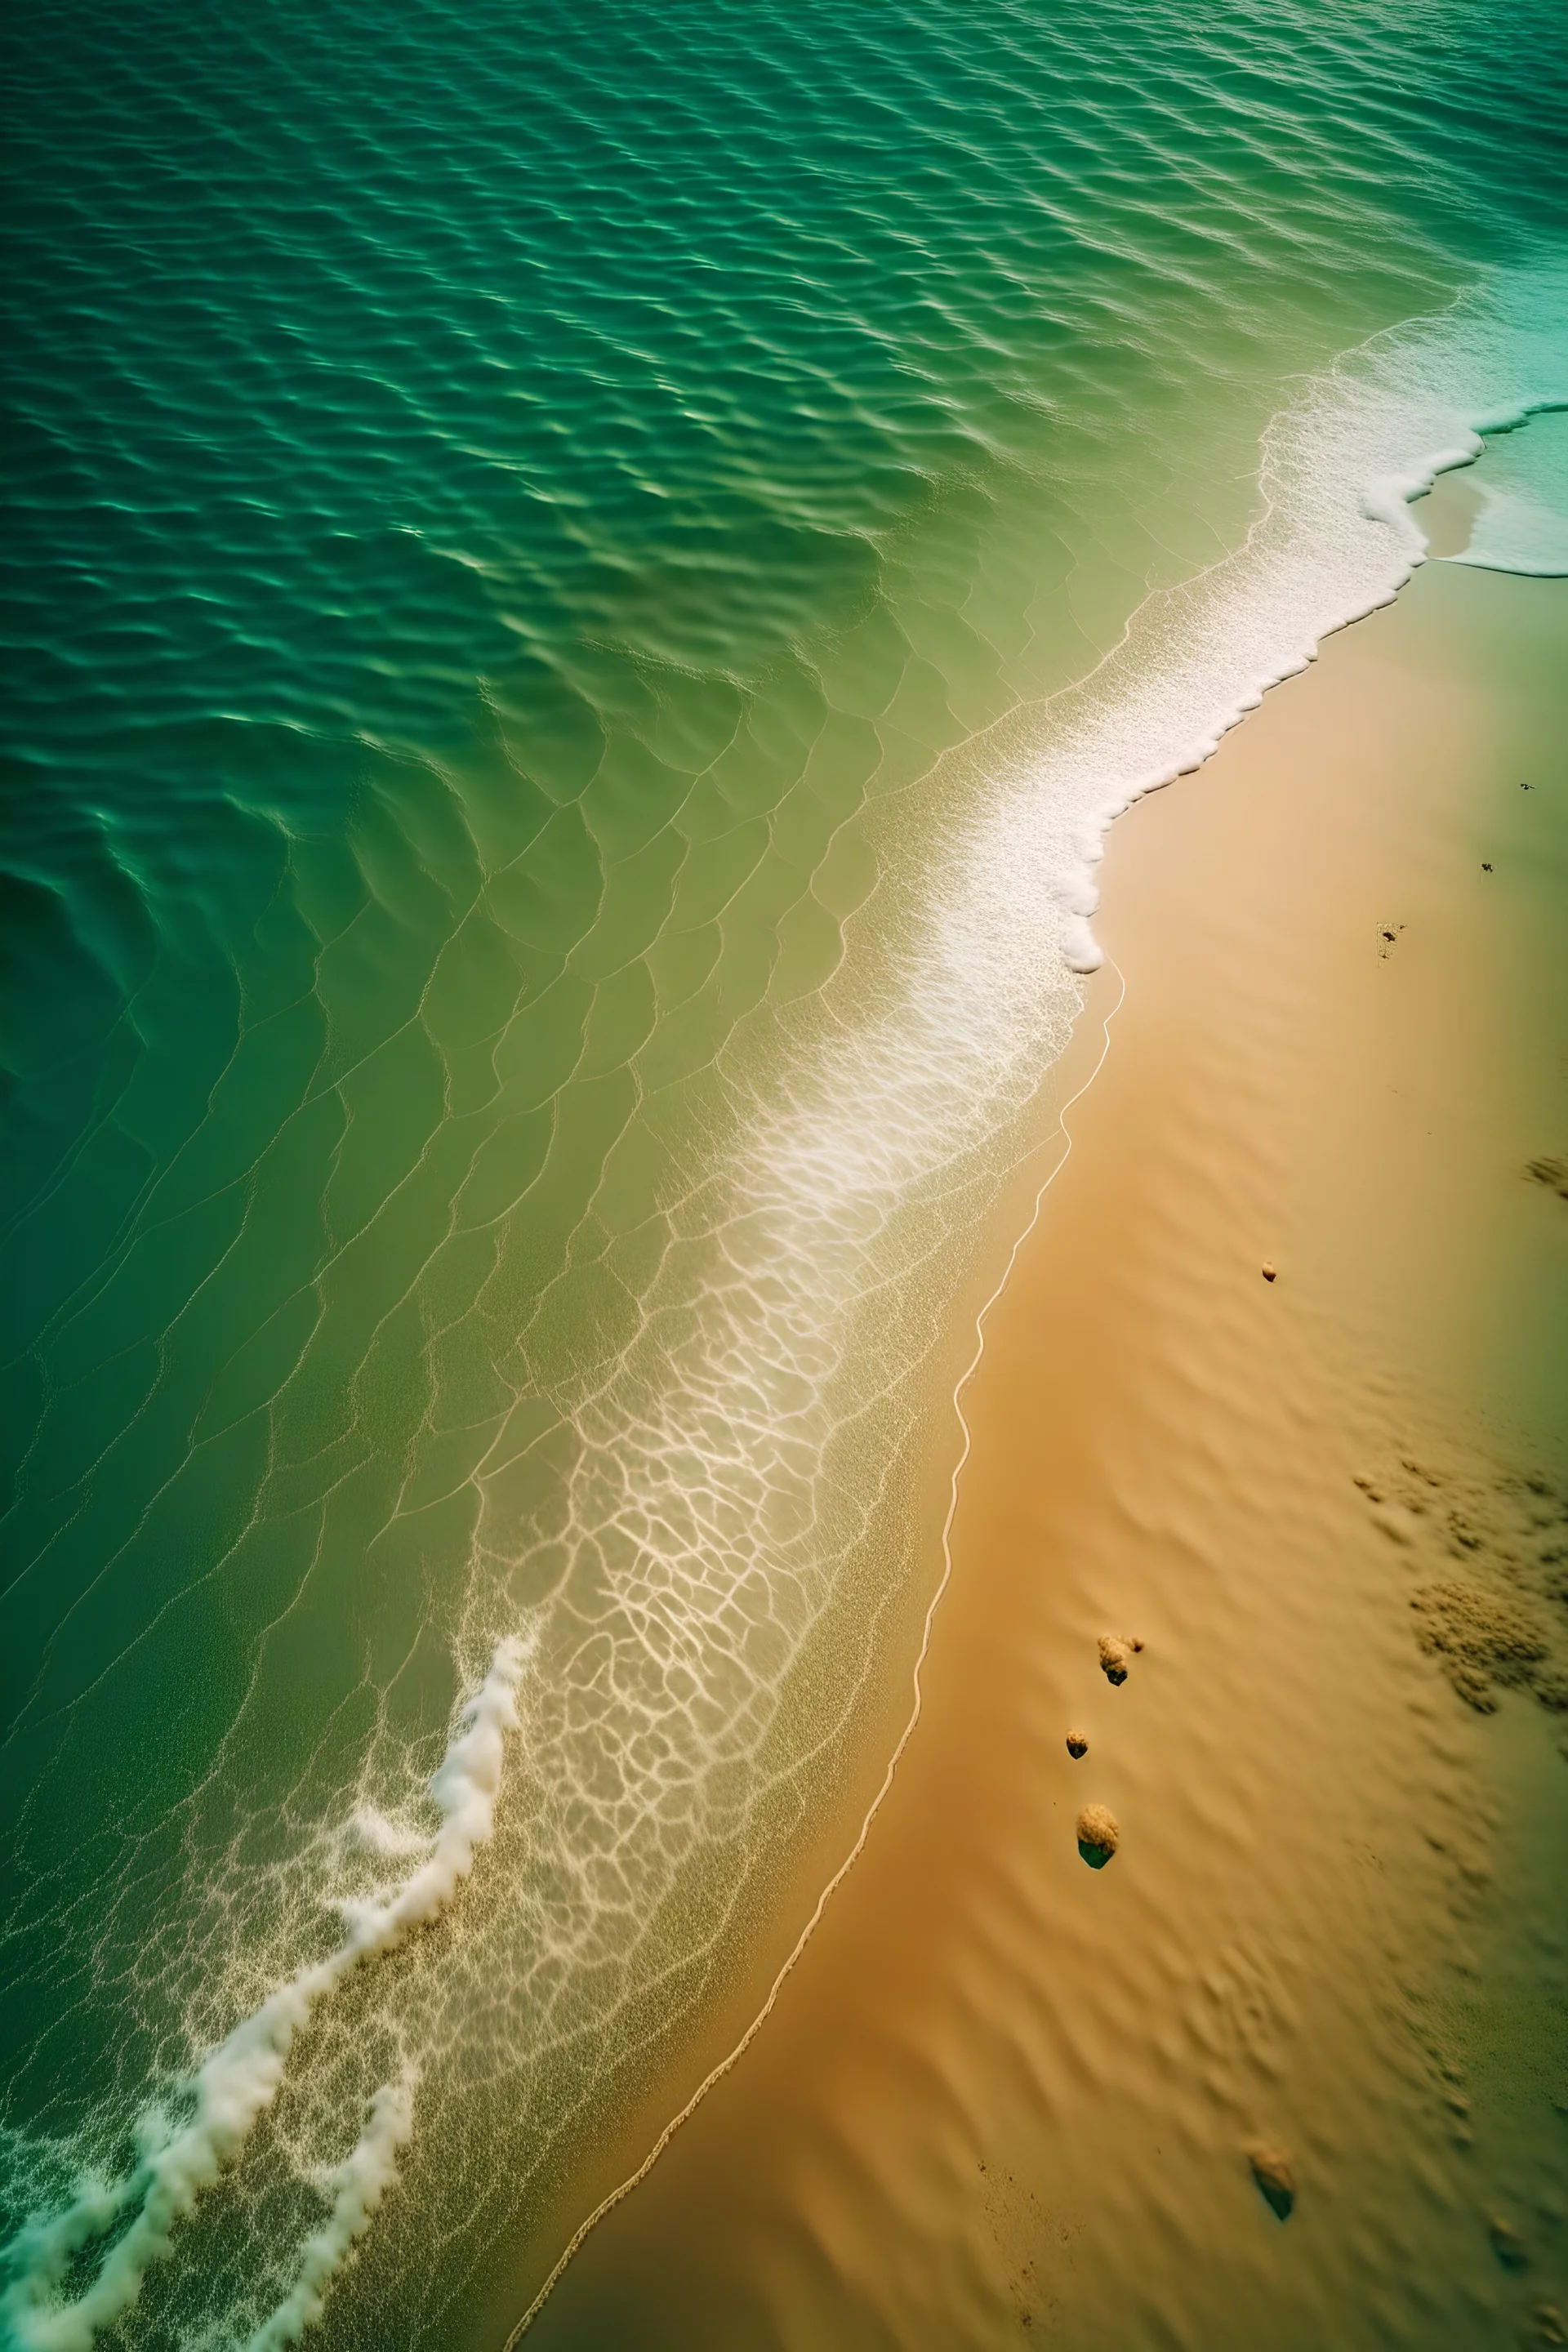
{"x": 1288, "y": 2068}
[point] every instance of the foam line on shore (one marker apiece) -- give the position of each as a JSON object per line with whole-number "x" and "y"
{"x": 236, "y": 2082}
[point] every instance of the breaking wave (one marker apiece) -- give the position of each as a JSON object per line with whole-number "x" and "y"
{"x": 237, "y": 2082}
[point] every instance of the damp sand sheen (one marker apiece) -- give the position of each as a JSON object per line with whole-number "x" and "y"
{"x": 554, "y": 928}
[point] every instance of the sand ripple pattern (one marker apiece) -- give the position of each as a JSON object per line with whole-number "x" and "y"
{"x": 552, "y": 847}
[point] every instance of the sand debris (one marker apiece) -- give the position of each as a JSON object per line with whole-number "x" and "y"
{"x": 1492, "y": 1607}
{"x": 1275, "y": 2175}
{"x": 1098, "y": 1835}
{"x": 1077, "y": 1743}
{"x": 1481, "y": 1637}
{"x": 1551, "y": 1171}
{"x": 1115, "y": 1650}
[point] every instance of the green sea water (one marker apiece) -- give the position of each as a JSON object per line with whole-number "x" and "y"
{"x": 581, "y": 586}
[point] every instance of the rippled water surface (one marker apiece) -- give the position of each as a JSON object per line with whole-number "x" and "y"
{"x": 547, "y": 841}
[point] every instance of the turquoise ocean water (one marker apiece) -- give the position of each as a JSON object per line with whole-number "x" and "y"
{"x": 581, "y": 585}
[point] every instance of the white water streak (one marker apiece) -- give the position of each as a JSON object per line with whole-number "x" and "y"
{"x": 356, "y": 2187}
{"x": 236, "y": 2082}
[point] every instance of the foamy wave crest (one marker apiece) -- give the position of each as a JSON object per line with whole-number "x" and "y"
{"x": 236, "y": 2082}
{"x": 1336, "y": 538}
{"x": 356, "y": 2186}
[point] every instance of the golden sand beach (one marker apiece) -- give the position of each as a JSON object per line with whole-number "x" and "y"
{"x": 1006, "y": 2099}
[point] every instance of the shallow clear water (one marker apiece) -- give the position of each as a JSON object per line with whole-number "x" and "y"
{"x": 547, "y": 843}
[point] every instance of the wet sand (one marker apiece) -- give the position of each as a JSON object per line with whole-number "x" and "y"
{"x": 1288, "y": 2067}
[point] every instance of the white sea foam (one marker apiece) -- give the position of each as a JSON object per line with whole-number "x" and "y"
{"x": 235, "y": 2083}
{"x": 1340, "y": 470}
{"x": 356, "y": 2187}
{"x": 726, "y": 1470}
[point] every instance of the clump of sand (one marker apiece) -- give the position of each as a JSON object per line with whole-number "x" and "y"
{"x": 1551, "y": 1172}
{"x": 1098, "y": 1835}
{"x": 1501, "y": 1622}
{"x": 1482, "y": 1636}
{"x": 1115, "y": 1650}
{"x": 1275, "y": 2175}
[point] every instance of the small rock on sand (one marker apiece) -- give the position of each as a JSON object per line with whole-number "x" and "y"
{"x": 1507, "y": 2243}
{"x": 1098, "y": 1835}
{"x": 1548, "y": 2325}
{"x": 1077, "y": 1743}
{"x": 1115, "y": 1649}
{"x": 1275, "y": 2175}
{"x": 1271, "y": 1270}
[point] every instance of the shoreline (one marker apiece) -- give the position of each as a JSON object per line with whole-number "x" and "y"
{"x": 1431, "y": 484}
{"x": 800, "y": 2017}
{"x": 1060, "y": 1140}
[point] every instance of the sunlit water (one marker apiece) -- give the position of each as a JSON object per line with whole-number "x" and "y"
{"x": 588, "y": 581}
